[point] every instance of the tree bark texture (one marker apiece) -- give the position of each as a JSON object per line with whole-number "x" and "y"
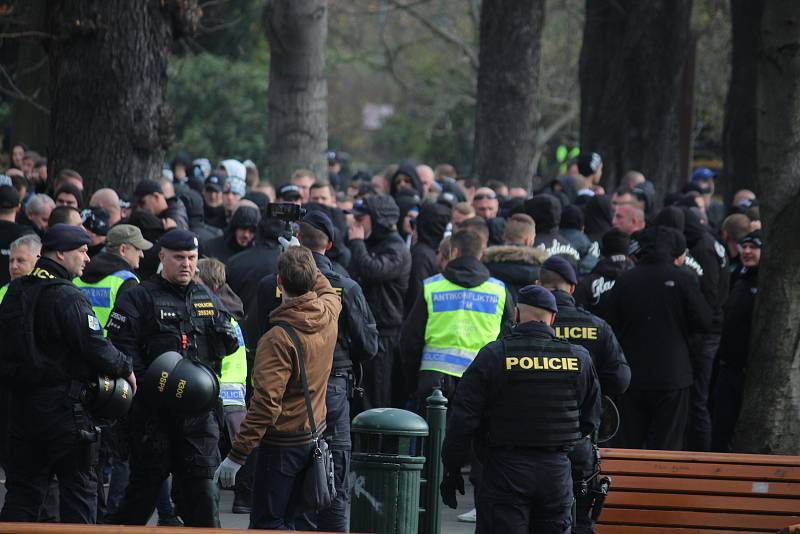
{"x": 298, "y": 90}
{"x": 108, "y": 75}
{"x": 739, "y": 152}
{"x": 631, "y": 70}
{"x": 507, "y": 109}
{"x": 31, "y": 121}
{"x": 770, "y": 418}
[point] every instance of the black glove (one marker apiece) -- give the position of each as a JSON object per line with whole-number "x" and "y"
{"x": 452, "y": 481}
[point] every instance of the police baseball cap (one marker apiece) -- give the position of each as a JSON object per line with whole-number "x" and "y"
{"x": 178, "y": 239}
{"x": 753, "y": 238}
{"x": 64, "y": 237}
{"x": 289, "y": 192}
{"x": 589, "y": 163}
{"x": 538, "y": 297}
{"x": 95, "y": 220}
{"x": 562, "y": 268}
{"x": 127, "y": 234}
{"x": 9, "y": 198}
{"x": 703, "y": 174}
{"x": 320, "y": 220}
{"x": 146, "y": 187}
{"x": 215, "y": 183}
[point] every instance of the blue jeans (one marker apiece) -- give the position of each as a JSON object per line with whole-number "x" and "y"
{"x": 277, "y": 491}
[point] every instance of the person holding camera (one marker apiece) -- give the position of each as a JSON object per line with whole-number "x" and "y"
{"x": 277, "y": 420}
{"x": 172, "y": 313}
{"x": 53, "y": 346}
{"x": 356, "y": 342}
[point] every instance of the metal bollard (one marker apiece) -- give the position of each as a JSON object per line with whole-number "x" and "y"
{"x": 436, "y": 414}
{"x": 385, "y": 473}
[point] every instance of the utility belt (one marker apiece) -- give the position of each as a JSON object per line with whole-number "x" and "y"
{"x": 352, "y": 383}
{"x": 591, "y": 492}
{"x": 89, "y": 435}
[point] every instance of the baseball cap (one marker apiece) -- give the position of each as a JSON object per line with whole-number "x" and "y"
{"x": 320, "y": 220}
{"x": 702, "y": 174}
{"x": 146, "y": 187}
{"x": 215, "y": 183}
{"x": 9, "y": 198}
{"x": 754, "y": 238}
{"x": 562, "y": 268}
{"x": 538, "y": 297}
{"x": 129, "y": 235}
{"x": 289, "y": 192}
{"x": 64, "y": 237}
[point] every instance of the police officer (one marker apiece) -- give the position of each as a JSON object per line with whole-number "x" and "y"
{"x": 110, "y": 271}
{"x": 52, "y": 346}
{"x": 527, "y": 398}
{"x": 578, "y": 326}
{"x": 356, "y": 342}
{"x": 171, "y": 312}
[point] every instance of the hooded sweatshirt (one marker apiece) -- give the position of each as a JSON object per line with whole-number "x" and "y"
{"x": 381, "y": 264}
{"x": 546, "y": 212}
{"x": 710, "y": 262}
{"x": 104, "y": 264}
{"x": 597, "y": 217}
{"x": 277, "y": 411}
{"x": 225, "y": 246}
{"x": 194, "y": 211}
{"x": 409, "y": 169}
{"x": 431, "y": 225}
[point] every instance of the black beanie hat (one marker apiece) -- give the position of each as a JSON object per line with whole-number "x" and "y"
{"x": 614, "y": 242}
{"x": 572, "y": 217}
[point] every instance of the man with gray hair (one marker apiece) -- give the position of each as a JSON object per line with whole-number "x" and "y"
{"x": 38, "y": 212}
{"x": 25, "y": 251}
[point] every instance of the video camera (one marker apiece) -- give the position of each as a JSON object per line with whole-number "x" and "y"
{"x": 287, "y": 212}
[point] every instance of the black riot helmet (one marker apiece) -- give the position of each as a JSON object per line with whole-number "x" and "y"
{"x": 108, "y": 398}
{"x": 178, "y": 385}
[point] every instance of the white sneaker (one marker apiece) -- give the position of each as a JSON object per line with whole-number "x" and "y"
{"x": 469, "y": 517}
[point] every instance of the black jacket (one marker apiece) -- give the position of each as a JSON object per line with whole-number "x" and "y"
{"x": 653, "y": 309}
{"x": 67, "y": 333}
{"x": 215, "y": 216}
{"x": 357, "y": 339}
{"x": 465, "y": 272}
{"x": 225, "y": 246}
{"x": 244, "y": 270}
{"x": 104, "y": 264}
{"x": 472, "y": 403}
{"x": 710, "y": 262}
{"x": 517, "y": 266}
{"x": 592, "y": 291}
{"x": 194, "y": 211}
{"x": 381, "y": 265}
{"x": 734, "y": 344}
{"x": 177, "y": 212}
{"x": 431, "y": 225}
{"x": 609, "y": 361}
{"x": 589, "y": 251}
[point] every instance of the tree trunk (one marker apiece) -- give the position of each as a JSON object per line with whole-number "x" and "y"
{"x": 108, "y": 74}
{"x": 631, "y": 69}
{"x": 31, "y": 118}
{"x": 507, "y": 111}
{"x": 298, "y": 91}
{"x": 739, "y": 141}
{"x": 770, "y": 418}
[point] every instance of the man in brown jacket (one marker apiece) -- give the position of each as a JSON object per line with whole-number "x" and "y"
{"x": 277, "y": 420}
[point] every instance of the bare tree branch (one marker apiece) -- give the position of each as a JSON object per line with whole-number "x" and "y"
{"x": 15, "y": 92}
{"x": 552, "y": 129}
{"x": 452, "y": 38}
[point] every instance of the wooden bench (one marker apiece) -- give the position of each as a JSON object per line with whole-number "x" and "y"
{"x": 662, "y": 492}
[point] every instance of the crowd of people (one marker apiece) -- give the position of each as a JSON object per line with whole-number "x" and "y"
{"x": 406, "y": 278}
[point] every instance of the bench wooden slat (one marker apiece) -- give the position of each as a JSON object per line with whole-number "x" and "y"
{"x": 680, "y": 518}
{"x": 657, "y": 468}
{"x": 704, "y": 485}
{"x": 627, "y": 529}
{"x": 702, "y": 457}
{"x": 721, "y": 503}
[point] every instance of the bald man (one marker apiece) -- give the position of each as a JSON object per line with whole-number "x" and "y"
{"x": 108, "y": 199}
{"x": 426, "y": 177}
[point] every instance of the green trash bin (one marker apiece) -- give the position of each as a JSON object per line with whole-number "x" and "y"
{"x": 386, "y": 471}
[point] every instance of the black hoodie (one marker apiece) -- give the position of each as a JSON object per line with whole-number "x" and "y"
{"x": 592, "y": 290}
{"x": 653, "y": 309}
{"x": 709, "y": 260}
{"x": 466, "y": 272}
{"x": 597, "y": 217}
{"x": 546, "y": 213}
{"x": 381, "y": 264}
{"x": 734, "y": 344}
{"x": 225, "y": 246}
{"x": 245, "y": 269}
{"x": 194, "y": 211}
{"x": 409, "y": 169}
{"x": 431, "y": 225}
